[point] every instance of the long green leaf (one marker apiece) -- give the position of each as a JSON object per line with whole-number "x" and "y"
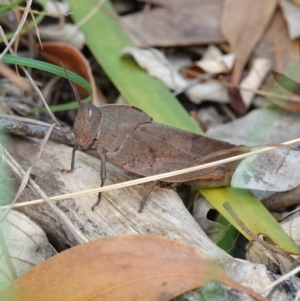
{"x": 106, "y": 38}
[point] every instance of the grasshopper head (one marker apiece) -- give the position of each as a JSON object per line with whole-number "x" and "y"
{"x": 86, "y": 125}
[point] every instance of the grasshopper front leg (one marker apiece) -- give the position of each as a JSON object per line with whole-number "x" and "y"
{"x": 75, "y": 148}
{"x": 102, "y": 153}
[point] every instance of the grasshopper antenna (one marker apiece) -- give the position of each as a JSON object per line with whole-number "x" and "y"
{"x": 75, "y": 90}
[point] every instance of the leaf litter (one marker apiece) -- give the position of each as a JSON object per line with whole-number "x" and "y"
{"x": 260, "y": 37}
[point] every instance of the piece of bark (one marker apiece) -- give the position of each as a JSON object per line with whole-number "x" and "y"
{"x": 34, "y": 128}
{"x": 191, "y": 23}
{"x": 164, "y": 213}
{"x": 282, "y": 200}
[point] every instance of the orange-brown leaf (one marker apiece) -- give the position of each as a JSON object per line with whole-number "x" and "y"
{"x": 135, "y": 267}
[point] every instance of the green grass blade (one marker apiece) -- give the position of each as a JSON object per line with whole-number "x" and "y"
{"x": 26, "y": 62}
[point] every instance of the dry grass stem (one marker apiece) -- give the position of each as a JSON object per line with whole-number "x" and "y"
{"x": 18, "y": 30}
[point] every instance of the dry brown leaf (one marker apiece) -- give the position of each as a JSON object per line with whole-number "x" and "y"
{"x": 136, "y": 267}
{"x": 72, "y": 59}
{"x": 277, "y": 46}
{"x": 243, "y": 24}
{"x": 188, "y": 23}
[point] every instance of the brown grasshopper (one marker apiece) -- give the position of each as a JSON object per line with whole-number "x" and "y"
{"x": 128, "y": 138}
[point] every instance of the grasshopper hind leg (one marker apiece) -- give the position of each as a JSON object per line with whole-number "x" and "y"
{"x": 154, "y": 183}
{"x": 99, "y": 195}
{"x": 143, "y": 201}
